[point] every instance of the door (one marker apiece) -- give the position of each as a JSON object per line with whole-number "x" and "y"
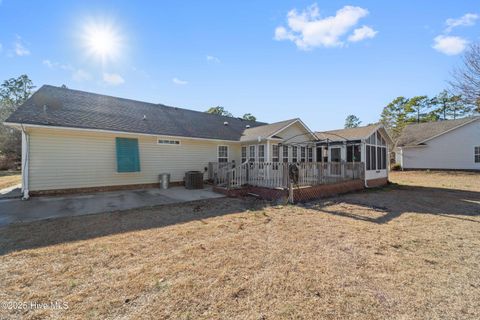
{"x": 335, "y": 158}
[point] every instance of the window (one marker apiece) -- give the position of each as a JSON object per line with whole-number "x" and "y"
{"x": 261, "y": 153}
{"x": 275, "y": 153}
{"x": 384, "y": 159}
{"x": 302, "y": 154}
{"x": 294, "y": 154}
{"x": 251, "y": 153}
{"x": 310, "y": 154}
{"x": 128, "y": 158}
{"x": 222, "y": 153}
{"x": 376, "y": 152}
{"x": 354, "y": 153}
{"x": 477, "y": 154}
{"x": 285, "y": 153}
{"x": 244, "y": 154}
{"x": 168, "y": 142}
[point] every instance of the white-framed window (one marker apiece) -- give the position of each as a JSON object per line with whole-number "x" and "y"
{"x": 294, "y": 154}
{"x": 476, "y": 152}
{"x": 285, "y": 153}
{"x": 310, "y": 154}
{"x": 168, "y": 142}
{"x": 244, "y": 154}
{"x": 302, "y": 154}
{"x": 251, "y": 153}
{"x": 261, "y": 153}
{"x": 376, "y": 152}
{"x": 275, "y": 153}
{"x": 222, "y": 153}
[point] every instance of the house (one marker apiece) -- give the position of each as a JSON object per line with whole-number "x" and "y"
{"x": 448, "y": 144}
{"x": 366, "y": 144}
{"x": 79, "y": 141}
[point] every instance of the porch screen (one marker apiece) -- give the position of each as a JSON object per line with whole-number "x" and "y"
{"x": 128, "y": 158}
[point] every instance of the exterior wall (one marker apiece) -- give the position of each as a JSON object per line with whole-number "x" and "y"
{"x": 61, "y": 159}
{"x": 452, "y": 150}
{"x": 294, "y": 134}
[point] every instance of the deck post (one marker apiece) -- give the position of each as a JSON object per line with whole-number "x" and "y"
{"x": 290, "y": 191}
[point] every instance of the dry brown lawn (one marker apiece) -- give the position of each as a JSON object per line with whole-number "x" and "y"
{"x": 9, "y": 178}
{"x": 402, "y": 252}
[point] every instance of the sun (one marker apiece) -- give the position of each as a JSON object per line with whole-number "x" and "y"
{"x": 102, "y": 40}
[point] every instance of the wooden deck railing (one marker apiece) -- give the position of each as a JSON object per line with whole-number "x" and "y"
{"x": 281, "y": 174}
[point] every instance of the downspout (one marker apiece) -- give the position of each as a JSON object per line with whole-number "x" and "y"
{"x": 25, "y": 163}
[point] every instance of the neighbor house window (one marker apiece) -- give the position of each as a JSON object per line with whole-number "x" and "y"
{"x": 261, "y": 153}
{"x": 168, "y": 142}
{"x": 222, "y": 153}
{"x": 294, "y": 154}
{"x": 285, "y": 153}
{"x": 244, "y": 154}
{"x": 477, "y": 154}
{"x": 302, "y": 154}
{"x": 251, "y": 153}
{"x": 128, "y": 158}
{"x": 275, "y": 153}
{"x": 310, "y": 154}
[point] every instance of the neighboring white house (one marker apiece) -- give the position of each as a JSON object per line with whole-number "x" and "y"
{"x": 78, "y": 140}
{"x": 448, "y": 144}
{"x": 367, "y": 144}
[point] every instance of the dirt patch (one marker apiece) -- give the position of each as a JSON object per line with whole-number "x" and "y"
{"x": 9, "y": 179}
{"x": 400, "y": 252}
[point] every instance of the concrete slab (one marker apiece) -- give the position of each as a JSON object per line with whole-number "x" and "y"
{"x": 39, "y": 208}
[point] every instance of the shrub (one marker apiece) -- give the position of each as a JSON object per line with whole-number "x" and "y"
{"x": 396, "y": 167}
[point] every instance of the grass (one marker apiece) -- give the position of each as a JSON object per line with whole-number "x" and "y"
{"x": 398, "y": 253}
{"x": 9, "y": 178}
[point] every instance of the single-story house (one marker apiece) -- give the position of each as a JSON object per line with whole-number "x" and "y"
{"x": 448, "y": 144}
{"x": 84, "y": 141}
{"x": 367, "y": 144}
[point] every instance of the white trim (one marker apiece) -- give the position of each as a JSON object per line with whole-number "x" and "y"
{"x": 291, "y": 123}
{"x": 454, "y": 128}
{"x": 25, "y": 164}
{"x": 17, "y": 125}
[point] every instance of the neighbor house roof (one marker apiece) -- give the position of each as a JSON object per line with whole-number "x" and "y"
{"x": 348, "y": 134}
{"x": 62, "y": 107}
{"x": 416, "y": 134}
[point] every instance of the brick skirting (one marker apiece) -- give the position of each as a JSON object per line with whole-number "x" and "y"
{"x": 326, "y": 190}
{"x": 55, "y": 192}
{"x": 373, "y": 183}
{"x": 299, "y": 194}
{"x": 264, "y": 193}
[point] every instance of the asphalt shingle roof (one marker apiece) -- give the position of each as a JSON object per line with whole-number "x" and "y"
{"x": 415, "y": 134}
{"x": 265, "y": 130}
{"x": 348, "y": 134}
{"x": 62, "y": 107}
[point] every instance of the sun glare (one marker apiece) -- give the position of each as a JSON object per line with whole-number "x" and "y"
{"x": 102, "y": 41}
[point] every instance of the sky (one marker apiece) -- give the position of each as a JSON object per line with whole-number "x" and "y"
{"x": 319, "y": 61}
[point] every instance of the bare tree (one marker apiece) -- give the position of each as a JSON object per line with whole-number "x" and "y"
{"x": 466, "y": 78}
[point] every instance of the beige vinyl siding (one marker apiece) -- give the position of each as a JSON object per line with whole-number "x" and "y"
{"x": 61, "y": 159}
{"x": 293, "y": 135}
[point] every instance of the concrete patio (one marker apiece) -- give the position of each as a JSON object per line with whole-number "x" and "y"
{"x": 39, "y": 208}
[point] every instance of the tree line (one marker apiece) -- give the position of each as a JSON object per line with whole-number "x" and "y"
{"x": 460, "y": 100}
